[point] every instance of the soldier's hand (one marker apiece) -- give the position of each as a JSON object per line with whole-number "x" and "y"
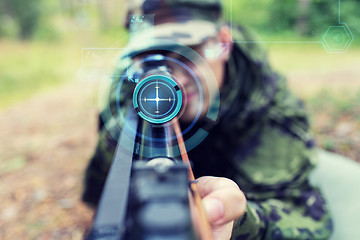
{"x": 224, "y": 202}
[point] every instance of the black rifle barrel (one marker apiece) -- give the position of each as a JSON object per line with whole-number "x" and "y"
{"x": 146, "y": 194}
{"x": 156, "y": 141}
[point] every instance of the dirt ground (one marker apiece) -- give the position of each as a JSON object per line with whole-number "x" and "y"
{"x": 45, "y": 145}
{"x": 44, "y": 148}
{"x": 335, "y": 123}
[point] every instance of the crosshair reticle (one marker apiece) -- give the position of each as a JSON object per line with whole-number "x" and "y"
{"x": 157, "y": 99}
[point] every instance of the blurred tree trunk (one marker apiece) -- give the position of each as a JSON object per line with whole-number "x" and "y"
{"x": 302, "y": 20}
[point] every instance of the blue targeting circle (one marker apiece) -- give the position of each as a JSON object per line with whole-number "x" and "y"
{"x": 157, "y": 99}
{"x": 188, "y": 69}
{"x": 122, "y": 81}
{"x": 114, "y": 118}
{"x": 148, "y": 109}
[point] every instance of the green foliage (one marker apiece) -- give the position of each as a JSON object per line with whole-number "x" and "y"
{"x": 337, "y": 104}
{"x": 321, "y": 15}
{"x": 282, "y": 16}
{"x": 300, "y": 18}
{"x": 47, "y": 29}
{"x": 26, "y": 14}
{"x": 351, "y": 15}
{"x": 45, "y": 32}
{"x": 8, "y": 27}
{"x": 249, "y": 13}
{"x": 27, "y": 68}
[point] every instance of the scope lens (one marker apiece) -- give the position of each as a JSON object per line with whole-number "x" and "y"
{"x": 157, "y": 99}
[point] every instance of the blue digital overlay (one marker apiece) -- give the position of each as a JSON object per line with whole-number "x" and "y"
{"x": 157, "y": 99}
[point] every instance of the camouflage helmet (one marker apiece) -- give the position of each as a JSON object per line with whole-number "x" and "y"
{"x": 187, "y": 22}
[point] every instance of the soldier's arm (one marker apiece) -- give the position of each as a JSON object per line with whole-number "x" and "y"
{"x": 301, "y": 214}
{"x": 281, "y": 202}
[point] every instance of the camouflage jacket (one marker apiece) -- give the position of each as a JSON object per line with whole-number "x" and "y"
{"x": 262, "y": 142}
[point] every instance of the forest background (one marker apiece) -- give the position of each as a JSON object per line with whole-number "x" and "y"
{"x": 48, "y": 112}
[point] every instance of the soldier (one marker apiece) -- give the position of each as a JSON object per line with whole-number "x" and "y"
{"x": 260, "y": 144}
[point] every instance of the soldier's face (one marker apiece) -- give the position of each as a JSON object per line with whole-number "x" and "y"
{"x": 205, "y": 86}
{"x": 203, "y": 79}
{"x": 210, "y": 74}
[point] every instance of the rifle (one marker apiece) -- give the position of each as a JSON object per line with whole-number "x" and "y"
{"x": 149, "y": 190}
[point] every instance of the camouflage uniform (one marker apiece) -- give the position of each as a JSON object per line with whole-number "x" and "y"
{"x": 261, "y": 141}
